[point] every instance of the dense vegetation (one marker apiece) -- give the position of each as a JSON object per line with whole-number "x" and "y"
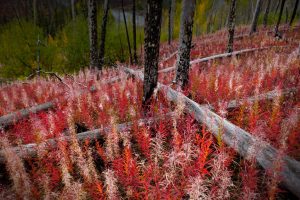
{"x": 204, "y": 113}
{"x": 64, "y": 45}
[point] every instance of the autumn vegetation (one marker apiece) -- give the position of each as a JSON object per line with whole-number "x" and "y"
{"x": 227, "y": 129}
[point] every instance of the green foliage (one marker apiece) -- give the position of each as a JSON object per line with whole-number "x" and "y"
{"x": 18, "y": 49}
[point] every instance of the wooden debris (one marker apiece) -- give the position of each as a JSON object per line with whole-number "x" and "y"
{"x": 241, "y": 141}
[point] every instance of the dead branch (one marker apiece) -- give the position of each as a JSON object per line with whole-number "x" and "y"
{"x": 24, "y": 113}
{"x": 30, "y": 150}
{"x": 218, "y": 56}
{"x": 241, "y": 141}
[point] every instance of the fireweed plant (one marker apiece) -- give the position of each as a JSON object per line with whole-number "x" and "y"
{"x": 172, "y": 157}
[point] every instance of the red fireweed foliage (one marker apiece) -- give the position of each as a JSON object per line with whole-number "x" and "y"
{"x": 173, "y": 157}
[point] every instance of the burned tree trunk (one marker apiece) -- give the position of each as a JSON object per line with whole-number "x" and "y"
{"x": 152, "y": 39}
{"x": 127, "y": 34}
{"x": 92, "y": 18}
{"x": 294, "y": 12}
{"x": 185, "y": 42}
{"x": 171, "y": 20}
{"x": 134, "y": 32}
{"x": 255, "y": 17}
{"x": 231, "y": 26}
{"x": 73, "y": 9}
{"x": 277, "y": 34}
{"x": 103, "y": 34}
{"x": 266, "y": 15}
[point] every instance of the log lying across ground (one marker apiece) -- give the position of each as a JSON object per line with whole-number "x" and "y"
{"x": 243, "y": 142}
{"x": 30, "y": 150}
{"x": 265, "y": 96}
{"x": 218, "y": 56}
{"x": 24, "y": 113}
{"x": 12, "y": 118}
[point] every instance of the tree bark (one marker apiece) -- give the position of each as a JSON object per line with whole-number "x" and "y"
{"x": 134, "y": 31}
{"x": 152, "y": 40}
{"x": 294, "y": 12}
{"x": 279, "y": 19}
{"x": 127, "y": 34}
{"x": 29, "y": 151}
{"x": 231, "y": 26}
{"x": 12, "y": 118}
{"x": 185, "y": 42}
{"x": 255, "y": 17}
{"x": 172, "y": 4}
{"x": 218, "y": 56}
{"x": 92, "y": 18}
{"x": 34, "y": 12}
{"x": 103, "y": 35}
{"x": 73, "y": 9}
{"x": 266, "y": 15}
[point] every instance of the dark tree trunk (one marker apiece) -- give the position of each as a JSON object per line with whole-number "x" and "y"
{"x": 127, "y": 34}
{"x": 286, "y": 15}
{"x": 103, "y": 34}
{"x": 231, "y": 26}
{"x": 134, "y": 32}
{"x": 171, "y": 20}
{"x": 294, "y": 12}
{"x": 34, "y": 12}
{"x": 277, "y": 7}
{"x": 152, "y": 40}
{"x": 279, "y": 19}
{"x": 185, "y": 42}
{"x": 92, "y": 18}
{"x": 255, "y": 17}
{"x": 73, "y": 9}
{"x": 266, "y": 15}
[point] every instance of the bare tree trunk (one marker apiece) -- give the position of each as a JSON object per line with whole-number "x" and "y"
{"x": 103, "y": 34}
{"x": 231, "y": 26}
{"x": 92, "y": 18}
{"x": 255, "y": 17}
{"x": 294, "y": 12}
{"x": 266, "y": 15}
{"x": 34, "y": 12}
{"x": 279, "y": 19}
{"x": 127, "y": 34}
{"x": 152, "y": 40}
{"x": 185, "y": 42}
{"x": 73, "y": 9}
{"x": 286, "y": 15}
{"x": 134, "y": 32}
{"x": 172, "y": 4}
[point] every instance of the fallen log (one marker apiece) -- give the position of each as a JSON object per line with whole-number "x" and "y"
{"x": 169, "y": 57}
{"x": 223, "y": 55}
{"x": 24, "y": 113}
{"x": 241, "y": 141}
{"x": 266, "y": 96}
{"x": 28, "y": 151}
{"x": 12, "y": 118}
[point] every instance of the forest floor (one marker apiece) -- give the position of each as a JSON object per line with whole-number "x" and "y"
{"x": 93, "y": 141}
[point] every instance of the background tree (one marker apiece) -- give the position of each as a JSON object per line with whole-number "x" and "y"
{"x": 172, "y": 4}
{"x": 277, "y": 34}
{"x": 255, "y": 17}
{"x": 92, "y": 18}
{"x": 185, "y": 42}
{"x": 265, "y": 21}
{"x": 127, "y": 34}
{"x": 103, "y": 34}
{"x": 231, "y": 26}
{"x": 134, "y": 32}
{"x": 73, "y": 9}
{"x": 294, "y": 12}
{"x": 152, "y": 40}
